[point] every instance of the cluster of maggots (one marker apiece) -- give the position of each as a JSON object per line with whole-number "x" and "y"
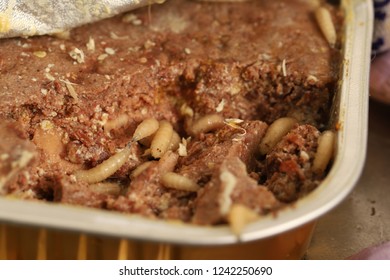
{"x": 161, "y": 137}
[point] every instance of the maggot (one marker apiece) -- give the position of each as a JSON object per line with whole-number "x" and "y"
{"x": 175, "y": 141}
{"x": 140, "y": 168}
{"x": 179, "y": 182}
{"x": 105, "y": 188}
{"x": 324, "y": 20}
{"x": 145, "y": 128}
{"x": 207, "y": 123}
{"x": 326, "y": 143}
{"x": 105, "y": 169}
{"x": 162, "y": 139}
{"x": 239, "y": 216}
{"x": 275, "y": 133}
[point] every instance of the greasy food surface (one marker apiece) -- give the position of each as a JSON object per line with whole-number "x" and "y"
{"x": 209, "y": 78}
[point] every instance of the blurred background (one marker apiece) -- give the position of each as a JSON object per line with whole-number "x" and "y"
{"x": 363, "y": 219}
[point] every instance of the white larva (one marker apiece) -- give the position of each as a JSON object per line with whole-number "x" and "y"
{"x": 140, "y": 168}
{"x": 105, "y": 188}
{"x": 104, "y": 169}
{"x": 179, "y": 182}
{"x": 175, "y": 141}
{"x": 324, "y": 20}
{"x": 118, "y": 122}
{"x": 162, "y": 139}
{"x": 168, "y": 162}
{"x": 146, "y": 153}
{"x": 146, "y": 141}
{"x": 207, "y": 123}
{"x": 326, "y": 143}
{"x": 239, "y": 216}
{"x": 275, "y": 133}
{"x": 145, "y": 128}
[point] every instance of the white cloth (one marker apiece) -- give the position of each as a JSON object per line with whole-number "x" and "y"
{"x": 28, "y": 18}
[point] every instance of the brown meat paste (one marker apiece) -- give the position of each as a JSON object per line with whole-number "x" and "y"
{"x": 70, "y": 104}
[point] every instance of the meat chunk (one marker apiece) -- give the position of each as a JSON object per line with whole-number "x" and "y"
{"x": 147, "y": 196}
{"x": 16, "y": 153}
{"x": 230, "y": 185}
{"x": 66, "y": 191}
{"x": 288, "y": 165}
{"x": 206, "y": 155}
